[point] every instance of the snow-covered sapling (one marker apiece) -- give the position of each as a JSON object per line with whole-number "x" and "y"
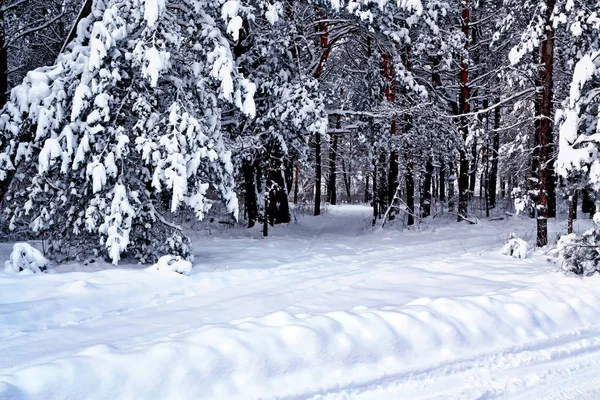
{"x": 172, "y": 264}
{"x": 516, "y": 247}
{"x": 580, "y": 254}
{"x": 25, "y": 257}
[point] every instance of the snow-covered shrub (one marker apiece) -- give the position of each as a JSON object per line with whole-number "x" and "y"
{"x": 25, "y": 257}
{"x": 125, "y": 129}
{"x": 516, "y": 247}
{"x": 174, "y": 264}
{"x": 580, "y": 254}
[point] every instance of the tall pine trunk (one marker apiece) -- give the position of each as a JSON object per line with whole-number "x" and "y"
{"x": 545, "y": 168}
{"x": 442, "y": 179}
{"x": 325, "y": 50}
{"x": 410, "y": 190}
{"x": 390, "y": 97}
{"x": 318, "y": 174}
{"x": 5, "y": 183}
{"x": 332, "y": 184}
{"x": 493, "y": 179}
{"x": 464, "y": 108}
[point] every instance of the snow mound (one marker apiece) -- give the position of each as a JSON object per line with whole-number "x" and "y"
{"x": 172, "y": 264}
{"x": 516, "y": 247}
{"x": 25, "y": 257}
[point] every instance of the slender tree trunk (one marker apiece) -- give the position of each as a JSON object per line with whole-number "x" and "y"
{"x": 318, "y": 174}
{"x": 367, "y": 193}
{"x": 390, "y": 96}
{"x": 267, "y": 195}
{"x": 545, "y": 135}
{"x": 437, "y": 82}
{"x": 575, "y": 200}
{"x": 296, "y": 183}
{"x": 473, "y": 168}
{"x": 347, "y": 181}
{"x": 3, "y": 62}
{"x": 250, "y": 193}
{"x": 464, "y": 108}
{"x": 325, "y": 50}
{"x": 493, "y": 180}
{"x": 410, "y": 190}
{"x": 426, "y": 202}
{"x": 331, "y": 186}
{"x": 451, "y": 183}
{"x": 442, "y": 179}
{"x": 383, "y": 191}
{"x": 375, "y": 192}
{"x": 572, "y": 211}
{"x": 4, "y": 184}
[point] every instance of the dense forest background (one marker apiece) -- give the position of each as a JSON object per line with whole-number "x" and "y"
{"x": 124, "y": 120}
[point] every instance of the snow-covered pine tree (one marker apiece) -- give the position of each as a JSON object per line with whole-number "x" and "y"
{"x": 125, "y": 129}
{"x": 579, "y": 142}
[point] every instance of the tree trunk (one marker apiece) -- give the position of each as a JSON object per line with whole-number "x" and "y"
{"x": 426, "y": 200}
{"x": 451, "y": 183}
{"x": 347, "y": 181}
{"x": 318, "y": 174}
{"x": 375, "y": 193}
{"x": 442, "y": 179}
{"x": 267, "y": 195}
{"x": 410, "y": 190}
{"x": 4, "y": 184}
{"x": 367, "y": 193}
{"x": 545, "y": 123}
{"x": 331, "y": 185}
{"x": 572, "y": 211}
{"x": 383, "y": 191}
{"x": 473, "y": 168}
{"x": 250, "y": 193}
{"x": 390, "y": 97}
{"x": 325, "y": 50}
{"x": 296, "y": 183}
{"x": 464, "y": 108}
{"x": 493, "y": 179}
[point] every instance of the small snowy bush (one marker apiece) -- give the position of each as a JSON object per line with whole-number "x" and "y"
{"x": 516, "y": 247}
{"x": 174, "y": 264}
{"x": 25, "y": 257}
{"x": 580, "y": 254}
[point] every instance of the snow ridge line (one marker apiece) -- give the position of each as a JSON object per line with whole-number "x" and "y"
{"x": 283, "y": 354}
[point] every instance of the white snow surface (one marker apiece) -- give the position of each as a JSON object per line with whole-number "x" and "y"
{"x": 325, "y": 309}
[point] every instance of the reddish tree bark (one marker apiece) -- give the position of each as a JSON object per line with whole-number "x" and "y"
{"x": 545, "y": 126}
{"x": 390, "y": 97}
{"x": 464, "y": 108}
{"x": 326, "y": 50}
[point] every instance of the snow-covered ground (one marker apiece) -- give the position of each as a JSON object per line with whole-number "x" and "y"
{"x": 327, "y": 309}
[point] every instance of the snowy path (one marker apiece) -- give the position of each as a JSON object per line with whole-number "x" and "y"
{"x": 325, "y": 309}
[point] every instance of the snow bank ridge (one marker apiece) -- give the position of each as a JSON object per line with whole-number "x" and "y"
{"x": 282, "y": 354}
